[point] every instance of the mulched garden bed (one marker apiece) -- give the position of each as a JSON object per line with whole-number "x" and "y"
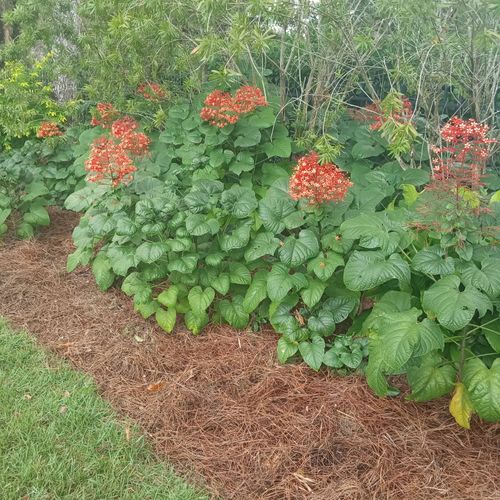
{"x": 226, "y": 414}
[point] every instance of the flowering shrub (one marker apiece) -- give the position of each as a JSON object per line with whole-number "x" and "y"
{"x": 222, "y": 109}
{"x": 212, "y": 227}
{"x": 318, "y": 183}
{"x": 105, "y": 115}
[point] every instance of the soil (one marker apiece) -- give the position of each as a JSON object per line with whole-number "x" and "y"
{"x": 226, "y": 414}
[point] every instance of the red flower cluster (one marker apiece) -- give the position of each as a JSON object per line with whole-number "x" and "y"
{"x": 112, "y": 160}
{"x": 222, "y": 109}
{"x": 108, "y": 160}
{"x": 462, "y": 162}
{"x": 106, "y": 115}
{"x": 151, "y": 91}
{"x": 318, "y": 183}
{"x": 48, "y": 129}
{"x": 379, "y": 117}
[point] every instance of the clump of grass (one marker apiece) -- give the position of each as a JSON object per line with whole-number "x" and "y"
{"x": 60, "y": 440}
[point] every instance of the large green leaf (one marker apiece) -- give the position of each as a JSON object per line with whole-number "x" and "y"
{"x": 256, "y": 292}
{"x": 433, "y": 260}
{"x": 272, "y": 211}
{"x": 313, "y": 352}
{"x": 366, "y": 270}
{"x": 323, "y": 322}
{"x": 122, "y": 259}
{"x": 150, "y": 251}
{"x": 199, "y": 299}
{"x": 250, "y": 137}
{"x": 263, "y": 244}
{"x": 34, "y": 190}
{"x": 234, "y": 313}
{"x": 454, "y": 308}
{"x": 195, "y": 322}
{"x": 221, "y": 283}
{"x": 166, "y": 319}
{"x": 238, "y": 238}
{"x": 486, "y": 278}
{"x": 297, "y": 251}
{"x": 168, "y": 297}
{"x": 431, "y": 379}
{"x": 313, "y": 293}
{"x": 279, "y": 282}
{"x": 101, "y": 268}
{"x": 183, "y": 264}
{"x": 368, "y": 228}
{"x": 279, "y": 146}
{"x": 483, "y": 386}
{"x": 340, "y": 307}
{"x": 239, "y": 274}
{"x": 286, "y": 348}
{"x": 239, "y": 201}
{"x": 199, "y": 225}
{"x": 37, "y": 216}
{"x": 324, "y": 265}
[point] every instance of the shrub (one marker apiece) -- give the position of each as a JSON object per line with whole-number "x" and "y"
{"x": 208, "y": 229}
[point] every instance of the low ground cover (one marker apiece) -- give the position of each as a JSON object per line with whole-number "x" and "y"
{"x": 59, "y": 439}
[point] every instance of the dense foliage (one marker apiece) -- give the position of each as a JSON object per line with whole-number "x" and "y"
{"x": 340, "y": 198}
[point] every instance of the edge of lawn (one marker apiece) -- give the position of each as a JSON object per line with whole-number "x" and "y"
{"x": 60, "y": 439}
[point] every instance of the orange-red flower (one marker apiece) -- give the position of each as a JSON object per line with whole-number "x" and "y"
{"x": 106, "y": 114}
{"x": 123, "y": 126}
{"x": 48, "y": 129}
{"x": 151, "y": 91}
{"x": 318, "y": 183}
{"x": 222, "y": 109}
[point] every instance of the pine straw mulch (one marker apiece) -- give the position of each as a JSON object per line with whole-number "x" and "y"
{"x": 222, "y": 408}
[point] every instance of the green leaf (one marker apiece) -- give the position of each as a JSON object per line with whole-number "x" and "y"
{"x": 410, "y": 194}
{"x": 279, "y": 282}
{"x": 4, "y": 213}
{"x": 184, "y": 264}
{"x": 366, "y": 150}
{"x": 256, "y": 292}
{"x": 101, "y": 268}
{"x": 297, "y": 251}
{"x": 166, "y": 319}
{"x": 77, "y": 258}
{"x": 323, "y": 323}
{"x": 286, "y": 349}
{"x": 433, "y": 261}
{"x": 430, "y": 380}
{"x": 37, "y": 216}
{"x": 323, "y": 266}
{"x": 25, "y": 230}
{"x": 272, "y": 211}
{"x": 239, "y": 274}
{"x": 352, "y": 359}
{"x": 453, "y": 307}
{"x": 239, "y": 238}
{"x": 340, "y": 307}
{"x": 221, "y": 283}
{"x": 34, "y": 190}
{"x": 486, "y": 278}
{"x": 125, "y": 227}
{"x": 483, "y": 386}
{"x": 368, "y": 228}
{"x": 239, "y": 201}
{"x": 199, "y": 225}
{"x": 279, "y": 146}
{"x": 122, "y": 259}
{"x": 243, "y": 162}
{"x": 149, "y": 252}
{"x": 195, "y": 322}
{"x": 168, "y": 297}
{"x": 366, "y": 270}
{"x": 313, "y": 352}
{"x": 234, "y": 313}
{"x": 332, "y": 358}
{"x": 263, "y": 244}
{"x": 214, "y": 259}
{"x": 199, "y": 299}
{"x": 250, "y": 137}
{"x": 313, "y": 293}
{"x": 147, "y": 309}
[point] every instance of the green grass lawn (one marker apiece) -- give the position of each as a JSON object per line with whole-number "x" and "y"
{"x": 60, "y": 440}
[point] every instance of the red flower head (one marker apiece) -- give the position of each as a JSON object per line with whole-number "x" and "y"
{"x": 123, "y": 126}
{"x": 106, "y": 115}
{"x": 136, "y": 143}
{"x": 221, "y": 109}
{"x": 48, "y": 129}
{"x": 151, "y": 91}
{"x": 318, "y": 183}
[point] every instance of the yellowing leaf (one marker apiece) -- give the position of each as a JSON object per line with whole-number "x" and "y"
{"x": 461, "y": 407}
